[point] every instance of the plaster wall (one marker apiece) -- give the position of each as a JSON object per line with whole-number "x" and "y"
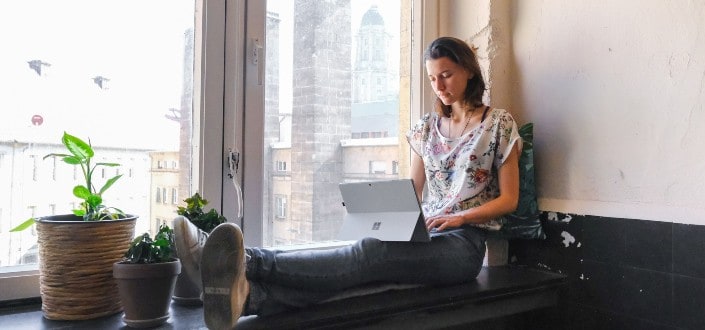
{"x": 617, "y": 94}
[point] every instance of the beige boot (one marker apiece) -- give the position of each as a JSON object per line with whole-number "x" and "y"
{"x": 225, "y": 286}
{"x": 189, "y": 241}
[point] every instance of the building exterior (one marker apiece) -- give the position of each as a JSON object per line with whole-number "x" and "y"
{"x": 164, "y": 198}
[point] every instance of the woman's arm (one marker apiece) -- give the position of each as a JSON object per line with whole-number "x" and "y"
{"x": 418, "y": 174}
{"x": 505, "y": 203}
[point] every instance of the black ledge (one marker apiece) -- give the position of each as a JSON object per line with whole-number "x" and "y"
{"x": 498, "y": 291}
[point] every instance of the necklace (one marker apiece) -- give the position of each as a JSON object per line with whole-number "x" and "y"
{"x": 472, "y": 113}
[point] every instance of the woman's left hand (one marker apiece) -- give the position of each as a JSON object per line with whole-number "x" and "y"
{"x": 443, "y": 221}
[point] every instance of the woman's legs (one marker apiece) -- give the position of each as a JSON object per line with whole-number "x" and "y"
{"x": 278, "y": 281}
{"x": 282, "y": 280}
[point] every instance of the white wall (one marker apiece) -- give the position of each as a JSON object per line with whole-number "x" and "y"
{"x": 616, "y": 90}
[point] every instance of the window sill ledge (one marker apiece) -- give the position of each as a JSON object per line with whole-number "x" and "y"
{"x": 499, "y": 291}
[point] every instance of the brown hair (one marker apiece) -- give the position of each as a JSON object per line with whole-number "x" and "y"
{"x": 459, "y": 52}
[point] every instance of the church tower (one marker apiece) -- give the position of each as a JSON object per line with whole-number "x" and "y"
{"x": 371, "y": 78}
{"x": 375, "y": 95}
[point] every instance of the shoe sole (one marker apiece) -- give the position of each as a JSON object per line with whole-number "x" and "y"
{"x": 184, "y": 252}
{"x": 222, "y": 261}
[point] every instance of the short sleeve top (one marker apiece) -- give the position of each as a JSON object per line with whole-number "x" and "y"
{"x": 461, "y": 173}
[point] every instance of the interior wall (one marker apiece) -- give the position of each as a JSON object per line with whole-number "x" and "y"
{"x": 616, "y": 91}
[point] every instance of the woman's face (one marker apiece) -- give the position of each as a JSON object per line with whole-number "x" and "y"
{"x": 448, "y": 79}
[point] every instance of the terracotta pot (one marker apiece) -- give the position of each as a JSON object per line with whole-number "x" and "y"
{"x": 145, "y": 291}
{"x": 76, "y": 264}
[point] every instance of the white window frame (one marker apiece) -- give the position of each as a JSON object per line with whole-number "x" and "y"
{"x": 22, "y": 282}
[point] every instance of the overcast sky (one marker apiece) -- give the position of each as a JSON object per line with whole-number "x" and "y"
{"x": 137, "y": 45}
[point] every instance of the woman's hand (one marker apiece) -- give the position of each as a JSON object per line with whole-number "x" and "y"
{"x": 441, "y": 222}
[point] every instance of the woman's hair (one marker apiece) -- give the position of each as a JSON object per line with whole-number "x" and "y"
{"x": 459, "y": 52}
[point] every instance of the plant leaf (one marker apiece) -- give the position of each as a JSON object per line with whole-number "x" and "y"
{"x": 71, "y": 160}
{"x": 108, "y": 164}
{"x": 81, "y": 192}
{"x": 55, "y": 155}
{"x": 109, "y": 183}
{"x": 28, "y": 223}
{"x": 94, "y": 200}
{"x": 77, "y": 147}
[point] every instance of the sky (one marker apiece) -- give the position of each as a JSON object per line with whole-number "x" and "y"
{"x": 139, "y": 51}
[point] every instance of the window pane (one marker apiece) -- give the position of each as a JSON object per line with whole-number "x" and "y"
{"x": 332, "y": 110}
{"x": 116, "y": 72}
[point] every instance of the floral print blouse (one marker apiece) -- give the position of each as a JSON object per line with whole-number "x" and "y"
{"x": 461, "y": 173}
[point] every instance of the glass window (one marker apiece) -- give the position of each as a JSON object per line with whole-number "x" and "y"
{"x": 280, "y": 206}
{"x": 318, "y": 95}
{"x": 35, "y": 167}
{"x": 281, "y": 166}
{"x": 377, "y": 167}
{"x": 108, "y": 71}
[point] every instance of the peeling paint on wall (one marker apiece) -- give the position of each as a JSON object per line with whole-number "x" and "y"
{"x": 554, "y": 216}
{"x": 567, "y": 238}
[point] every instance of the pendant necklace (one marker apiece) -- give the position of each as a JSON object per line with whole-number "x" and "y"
{"x": 466, "y": 124}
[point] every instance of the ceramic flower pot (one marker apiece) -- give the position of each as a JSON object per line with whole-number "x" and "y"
{"x": 145, "y": 291}
{"x": 76, "y": 264}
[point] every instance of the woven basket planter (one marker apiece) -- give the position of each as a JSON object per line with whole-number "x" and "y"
{"x": 76, "y": 260}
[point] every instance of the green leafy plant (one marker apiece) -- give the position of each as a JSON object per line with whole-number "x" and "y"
{"x": 145, "y": 250}
{"x": 194, "y": 212}
{"x": 92, "y": 208}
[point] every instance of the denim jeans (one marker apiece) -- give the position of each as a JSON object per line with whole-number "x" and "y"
{"x": 285, "y": 280}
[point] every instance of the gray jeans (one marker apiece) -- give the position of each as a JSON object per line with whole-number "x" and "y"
{"x": 285, "y": 280}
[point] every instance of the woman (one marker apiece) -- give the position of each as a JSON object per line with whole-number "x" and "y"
{"x": 465, "y": 155}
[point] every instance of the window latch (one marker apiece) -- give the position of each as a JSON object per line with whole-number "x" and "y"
{"x": 233, "y": 163}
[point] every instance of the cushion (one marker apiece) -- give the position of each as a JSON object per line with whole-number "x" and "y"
{"x": 524, "y": 222}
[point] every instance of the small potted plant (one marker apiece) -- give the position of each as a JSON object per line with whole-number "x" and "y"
{"x": 187, "y": 291}
{"x": 77, "y": 251}
{"x": 146, "y": 278}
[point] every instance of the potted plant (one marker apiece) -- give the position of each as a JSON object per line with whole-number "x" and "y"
{"x": 77, "y": 251}
{"x": 188, "y": 288}
{"x": 146, "y": 278}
